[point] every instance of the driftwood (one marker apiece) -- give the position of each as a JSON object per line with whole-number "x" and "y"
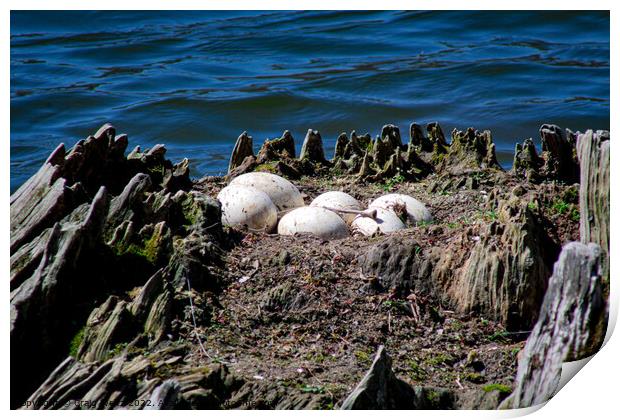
{"x": 243, "y": 149}
{"x": 312, "y": 148}
{"x": 594, "y": 186}
{"x": 571, "y": 324}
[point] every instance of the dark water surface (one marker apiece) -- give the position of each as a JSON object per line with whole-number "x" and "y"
{"x": 195, "y": 80}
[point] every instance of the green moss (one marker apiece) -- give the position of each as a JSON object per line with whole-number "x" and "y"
{"x": 416, "y": 372}
{"x": 191, "y": 212}
{"x": 135, "y": 250}
{"x": 440, "y": 359}
{"x": 503, "y": 389}
{"x": 76, "y": 342}
{"x": 439, "y": 153}
{"x": 267, "y": 167}
{"x": 362, "y": 356}
{"x": 574, "y": 215}
{"x": 157, "y": 171}
{"x": 319, "y": 358}
{"x": 151, "y": 249}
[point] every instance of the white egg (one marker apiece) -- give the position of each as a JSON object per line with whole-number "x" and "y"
{"x": 386, "y": 221}
{"x": 319, "y": 221}
{"x": 281, "y": 192}
{"x": 338, "y": 200}
{"x": 247, "y": 206}
{"x": 416, "y": 211}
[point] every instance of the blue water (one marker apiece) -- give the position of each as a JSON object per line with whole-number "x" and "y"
{"x": 195, "y": 80}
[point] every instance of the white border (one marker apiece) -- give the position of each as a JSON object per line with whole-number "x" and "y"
{"x": 590, "y": 395}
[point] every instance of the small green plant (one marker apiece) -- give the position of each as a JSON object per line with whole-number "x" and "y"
{"x": 440, "y": 359}
{"x": 456, "y": 325}
{"x": 491, "y": 215}
{"x": 312, "y": 389}
{"x": 391, "y": 183}
{"x": 389, "y": 304}
{"x": 503, "y": 389}
{"x": 416, "y": 372}
{"x": 499, "y": 336}
{"x": 574, "y": 215}
{"x": 316, "y": 357}
{"x": 560, "y": 207}
{"x": 433, "y": 396}
{"x": 424, "y": 223}
{"x": 571, "y": 195}
{"x": 362, "y": 356}
{"x": 532, "y": 206}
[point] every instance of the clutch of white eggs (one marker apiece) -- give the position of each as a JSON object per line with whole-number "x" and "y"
{"x": 255, "y": 200}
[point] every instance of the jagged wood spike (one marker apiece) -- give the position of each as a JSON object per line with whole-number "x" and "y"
{"x": 312, "y": 148}
{"x": 243, "y": 148}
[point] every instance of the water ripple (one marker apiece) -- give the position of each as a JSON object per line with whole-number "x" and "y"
{"x": 195, "y": 80}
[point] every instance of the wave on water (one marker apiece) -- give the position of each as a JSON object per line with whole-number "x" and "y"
{"x": 195, "y": 80}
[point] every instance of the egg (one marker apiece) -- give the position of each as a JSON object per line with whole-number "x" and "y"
{"x": 244, "y": 206}
{"x": 386, "y": 221}
{"x": 316, "y": 220}
{"x": 338, "y": 200}
{"x": 282, "y": 192}
{"x": 416, "y": 211}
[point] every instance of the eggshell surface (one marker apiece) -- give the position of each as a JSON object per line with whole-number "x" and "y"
{"x": 282, "y": 192}
{"x": 246, "y": 206}
{"x": 385, "y": 222}
{"x": 340, "y": 201}
{"x": 416, "y": 210}
{"x": 316, "y": 220}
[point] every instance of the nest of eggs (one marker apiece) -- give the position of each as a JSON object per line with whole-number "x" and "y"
{"x": 261, "y": 201}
